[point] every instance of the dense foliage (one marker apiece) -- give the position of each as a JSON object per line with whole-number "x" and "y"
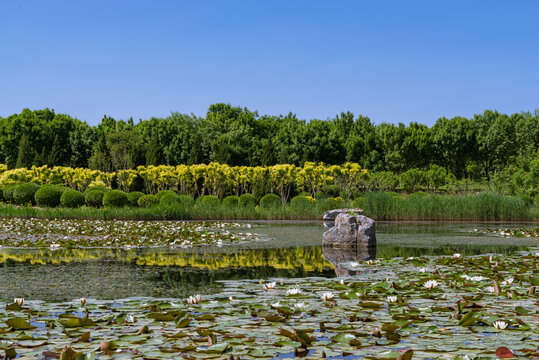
{"x": 499, "y": 148}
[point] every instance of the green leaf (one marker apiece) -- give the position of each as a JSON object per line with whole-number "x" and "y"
{"x": 19, "y": 324}
{"x": 343, "y": 338}
{"x": 469, "y": 318}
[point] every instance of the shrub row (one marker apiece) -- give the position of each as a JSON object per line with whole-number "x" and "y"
{"x": 48, "y": 195}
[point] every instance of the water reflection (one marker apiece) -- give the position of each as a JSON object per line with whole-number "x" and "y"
{"x": 294, "y": 252}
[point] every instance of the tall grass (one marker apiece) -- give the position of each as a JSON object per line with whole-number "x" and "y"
{"x": 477, "y": 207}
{"x": 380, "y": 206}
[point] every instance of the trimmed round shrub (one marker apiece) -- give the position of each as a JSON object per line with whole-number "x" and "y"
{"x": 94, "y": 198}
{"x": 247, "y": 200}
{"x": 72, "y": 199}
{"x": 334, "y": 203}
{"x": 24, "y": 194}
{"x": 115, "y": 198}
{"x": 302, "y": 202}
{"x": 163, "y": 192}
{"x": 132, "y": 198}
{"x": 231, "y": 201}
{"x": 208, "y": 201}
{"x": 8, "y": 191}
{"x": 148, "y": 201}
{"x": 270, "y": 201}
{"x": 169, "y": 199}
{"x": 92, "y": 188}
{"x": 49, "y": 195}
{"x": 186, "y": 200}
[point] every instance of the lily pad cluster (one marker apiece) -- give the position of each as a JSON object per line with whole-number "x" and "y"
{"x": 480, "y": 306}
{"x": 520, "y": 232}
{"x": 67, "y": 233}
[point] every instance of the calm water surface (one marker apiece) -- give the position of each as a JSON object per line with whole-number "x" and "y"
{"x": 291, "y": 250}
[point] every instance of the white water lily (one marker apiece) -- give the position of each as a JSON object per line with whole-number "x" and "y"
{"x": 500, "y": 324}
{"x": 457, "y": 256}
{"x": 268, "y": 286}
{"x": 277, "y": 304}
{"x": 194, "y": 299}
{"x": 18, "y": 301}
{"x": 354, "y": 264}
{"x": 293, "y": 291}
{"x": 422, "y": 270}
{"x": 300, "y": 305}
{"x": 328, "y": 295}
{"x": 391, "y": 299}
{"x": 474, "y": 278}
{"x": 82, "y": 301}
{"x": 489, "y": 289}
{"x": 431, "y": 284}
{"x": 508, "y": 281}
{"x": 341, "y": 282}
{"x": 370, "y": 262}
{"x": 129, "y": 319}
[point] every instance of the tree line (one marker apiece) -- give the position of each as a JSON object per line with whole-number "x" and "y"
{"x": 472, "y": 148}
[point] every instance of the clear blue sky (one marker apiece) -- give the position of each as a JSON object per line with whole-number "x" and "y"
{"x": 389, "y": 60}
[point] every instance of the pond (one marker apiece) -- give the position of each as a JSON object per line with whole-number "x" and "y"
{"x": 264, "y": 290}
{"x": 284, "y": 250}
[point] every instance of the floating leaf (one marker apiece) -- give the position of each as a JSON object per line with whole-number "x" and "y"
{"x": 19, "y": 324}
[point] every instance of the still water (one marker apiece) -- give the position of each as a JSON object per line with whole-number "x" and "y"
{"x": 290, "y": 250}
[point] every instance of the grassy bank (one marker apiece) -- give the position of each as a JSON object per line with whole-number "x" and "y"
{"x": 380, "y": 206}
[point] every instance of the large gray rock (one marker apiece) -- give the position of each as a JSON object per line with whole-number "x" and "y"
{"x": 332, "y": 214}
{"x": 351, "y": 231}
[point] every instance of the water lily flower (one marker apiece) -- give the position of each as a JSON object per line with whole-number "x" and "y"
{"x": 293, "y": 291}
{"x": 457, "y": 256}
{"x": 391, "y": 299}
{"x": 194, "y": 299}
{"x": 489, "y": 289}
{"x": 300, "y": 305}
{"x": 268, "y": 286}
{"x": 508, "y": 281}
{"x": 341, "y": 282}
{"x": 326, "y": 296}
{"x": 129, "y": 319}
{"x": 370, "y": 262}
{"x": 422, "y": 270}
{"x": 82, "y": 301}
{"x": 277, "y": 304}
{"x": 281, "y": 282}
{"x": 431, "y": 284}
{"x": 473, "y": 278}
{"x": 354, "y": 264}
{"x": 18, "y": 301}
{"x": 500, "y": 325}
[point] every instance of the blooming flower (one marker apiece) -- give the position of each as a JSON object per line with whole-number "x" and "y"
{"x": 391, "y": 299}
{"x": 82, "y": 301}
{"x": 300, "y": 305}
{"x": 341, "y": 282}
{"x": 500, "y": 325}
{"x": 277, "y": 304}
{"x": 508, "y": 281}
{"x": 431, "y": 284}
{"x": 422, "y": 270}
{"x": 328, "y": 295}
{"x": 18, "y": 301}
{"x": 268, "y": 286}
{"x": 489, "y": 289}
{"x": 194, "y": 299}
{"x": 293, "y": 291}
{"x": 457, "y": 256}
{"x": 473, "y": 278}
{"x": 354, "y": 264}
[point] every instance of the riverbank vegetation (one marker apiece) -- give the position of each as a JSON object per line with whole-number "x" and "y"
{"x": 489, "y": 152}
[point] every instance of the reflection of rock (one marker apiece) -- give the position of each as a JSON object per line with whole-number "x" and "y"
{"x": 351, "y": 231}
{"x": 351, "y": 239}
{"x": 339, "y": 257}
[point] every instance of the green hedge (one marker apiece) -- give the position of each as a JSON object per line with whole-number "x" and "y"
{"x": 115, "y": 198}
{"x": 161, "y": 193}
{"x": 231, "y": 201}
{"x": 49, "y": 195}
{"x": 187, "y": 201}
{"x": 24, "y": 194}
{"x": 72, "y": 199}
{"x": 208, "y": 201}
{"x": 247, "y": 200}
{"x": 132, "y": 198}
{"x": 269, "y": 201}
{"x": 7, "y": 192}
{"x": 94, "y": 198}
{"x": 169, "y": 199}
{"x": 148, "y": 201}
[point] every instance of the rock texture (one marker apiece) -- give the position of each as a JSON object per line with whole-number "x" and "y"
{"x": 351, "y": 231}
{"x": 339, "y": 257}
{"x": 332, "y": 214}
